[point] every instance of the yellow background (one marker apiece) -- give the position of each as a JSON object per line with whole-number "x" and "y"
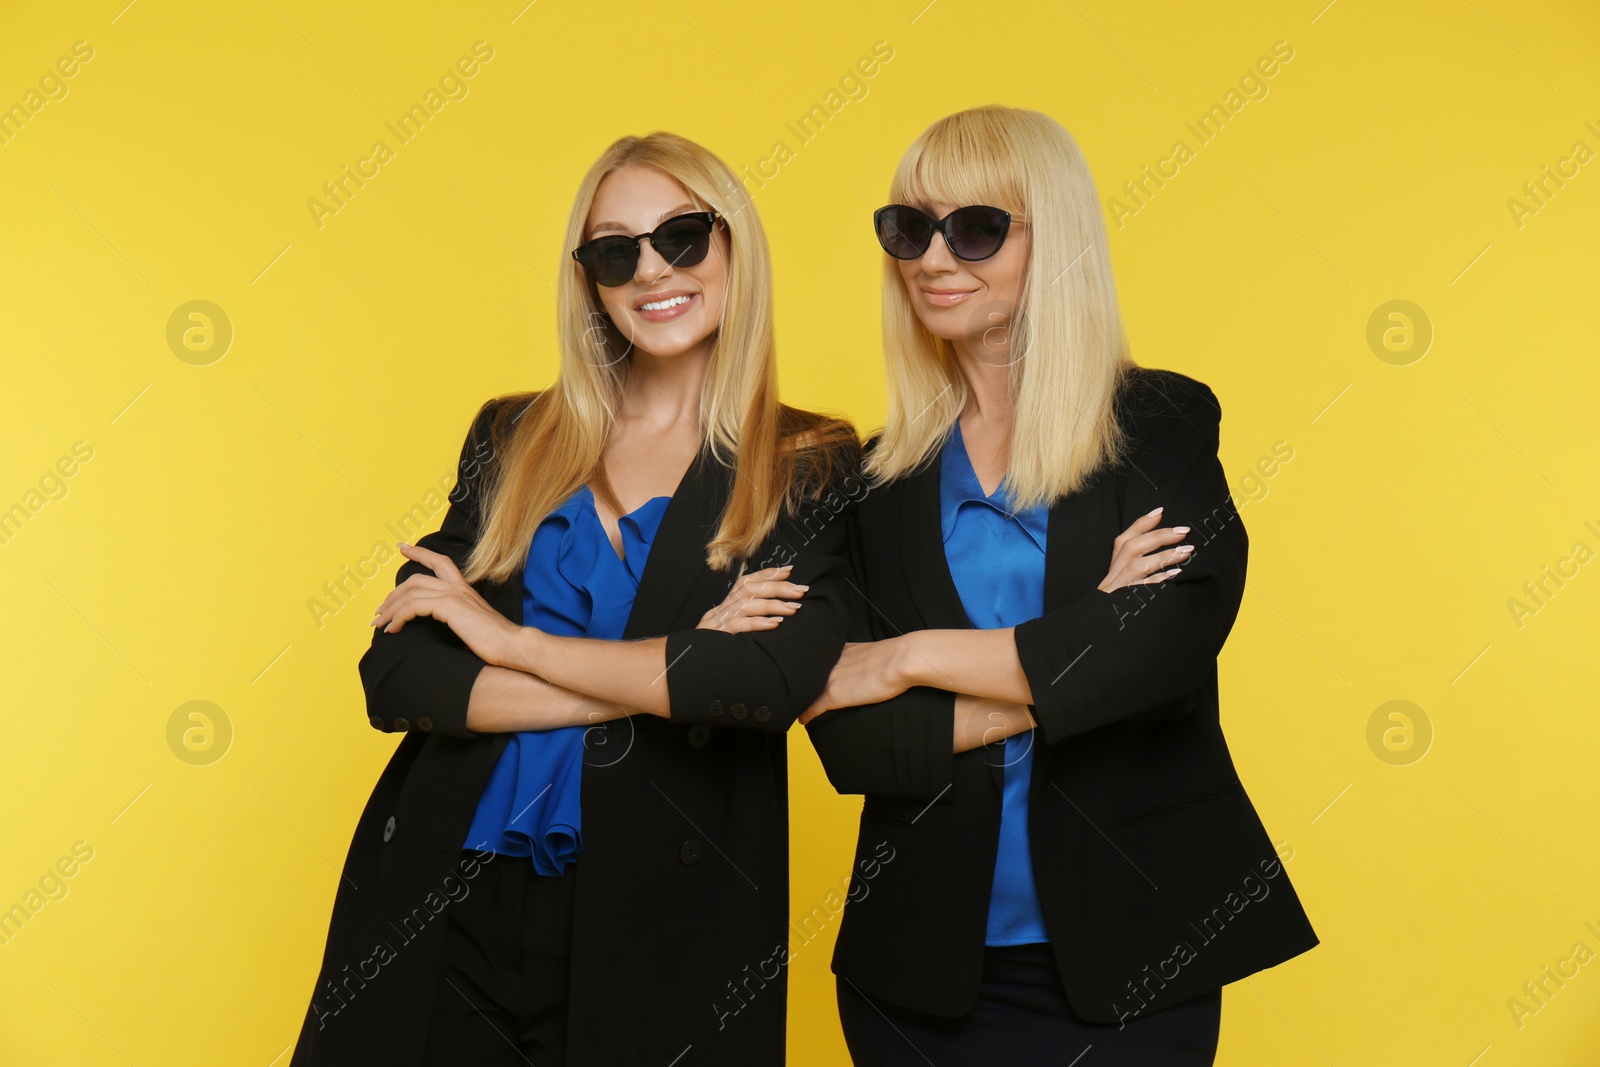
{"x": 178, "y": 565}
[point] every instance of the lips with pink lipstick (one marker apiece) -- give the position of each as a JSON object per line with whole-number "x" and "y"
{"x": 666, "y": 305}
{"x": 946, "y": 297}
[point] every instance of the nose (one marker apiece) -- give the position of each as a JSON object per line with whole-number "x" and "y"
{"x": 651, "y": 265}
{"x": 938, "y": 259}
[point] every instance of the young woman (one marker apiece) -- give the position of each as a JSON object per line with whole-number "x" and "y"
{"x": 1061, "y": 853}
{"x": 525, "y": 885}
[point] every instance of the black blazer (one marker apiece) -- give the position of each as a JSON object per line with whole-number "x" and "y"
{"x": 1156, "y": 878}
{"x": 682, "y": 886}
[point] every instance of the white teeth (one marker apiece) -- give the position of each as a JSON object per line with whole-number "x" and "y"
{"x": 662, "y": 305}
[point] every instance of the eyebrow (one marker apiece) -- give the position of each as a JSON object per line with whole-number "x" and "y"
{"x": 620, "y": 228}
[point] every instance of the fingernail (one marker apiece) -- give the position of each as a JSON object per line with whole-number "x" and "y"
{"x": 802, "y": 587}
{"x": 1157, "y": 511}
{"x": 1180, "y": 529}
{"x": 1185, "y": 548}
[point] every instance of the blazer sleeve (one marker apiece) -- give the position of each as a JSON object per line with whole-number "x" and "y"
{"x": 1145, "y": 649}
{"x": 421, "y": 678}
{"x": 763, "y": 680}
{"x": 901, "y": 747}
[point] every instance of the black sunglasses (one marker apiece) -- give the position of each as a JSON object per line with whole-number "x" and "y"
{"x": 682, "y": 241}
{"x": 971, "y": 233}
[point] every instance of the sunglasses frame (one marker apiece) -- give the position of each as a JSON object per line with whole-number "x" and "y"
{"x": 941, "y": 226}
{"x": 708, "y": 217}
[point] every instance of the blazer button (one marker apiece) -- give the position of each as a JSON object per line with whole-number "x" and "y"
{"x": 692, "y": 850}
{"x": 377, "y": 723}
{"x": 402, "y": 724}
{"x": 715, "y": 708}
{"x": 763, "y": 713}
{"x": 424, "y": 723}
{"x": 737, "y": 711}
{"x": 388, "y": 829}
{"x": 699, "y": 734}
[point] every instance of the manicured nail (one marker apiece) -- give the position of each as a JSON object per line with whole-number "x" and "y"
{"x": 802, "y": 587}
{"x": 1185, "y": 548}
{"x": 1157, "y": 511}
{"x": 1180, "y": 529}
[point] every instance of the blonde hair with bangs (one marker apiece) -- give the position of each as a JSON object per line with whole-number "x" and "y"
{"x": 1068, "y": 348}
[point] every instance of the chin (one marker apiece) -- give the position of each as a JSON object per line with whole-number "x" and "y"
{"x": 669, "y": 347}
{"x": 945, "y": 327}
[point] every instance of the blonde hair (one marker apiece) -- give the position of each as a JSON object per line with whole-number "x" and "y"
{"x": 1068, "y": 348}
{"x": 546, "y": 444}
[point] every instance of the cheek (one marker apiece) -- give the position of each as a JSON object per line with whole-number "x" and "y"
{"x": 612, "y": 304}
{"x": 1005, "y": 272}
{"x": 713, "y": 277}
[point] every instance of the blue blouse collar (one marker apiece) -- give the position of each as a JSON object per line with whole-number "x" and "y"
{"x": 958, "y": 485}
{"x": 638, "y": 527}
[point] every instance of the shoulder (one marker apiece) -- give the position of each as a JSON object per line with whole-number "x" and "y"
{"x": 491, "y": 428}
{"x": 825, "y": 449}
{"x": 1155, "y": 405}
{"x": 498, "y": 416}
{"x": 1150, "y": 392}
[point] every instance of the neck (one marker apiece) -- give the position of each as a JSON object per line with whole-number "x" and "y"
{"x": 662, "y": 390}
{"x": 987, "y": 371}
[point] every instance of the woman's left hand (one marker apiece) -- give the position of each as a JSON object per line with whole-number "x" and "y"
{"x": 446, "y": 596}
{"x": 867, "y": 672}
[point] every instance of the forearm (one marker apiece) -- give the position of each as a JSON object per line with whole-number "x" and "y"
{"x": 981, "y": 663}
{"x": 504, "y": 701}
{"x": 630, "y": 673}
{"x": 980, "y": 721}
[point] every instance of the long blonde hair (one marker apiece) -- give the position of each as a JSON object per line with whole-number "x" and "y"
{"x": 1069, "y": 351}
{"x": 546, "y": 444}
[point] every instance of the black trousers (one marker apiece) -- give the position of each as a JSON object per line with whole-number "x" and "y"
{"x": 502, "y": 994}
{"x": 1021, "y": 1019}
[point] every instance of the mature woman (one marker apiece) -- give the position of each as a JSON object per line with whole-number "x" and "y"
{"x": 1062, "y": 855}
{"x": 525, "y": 885}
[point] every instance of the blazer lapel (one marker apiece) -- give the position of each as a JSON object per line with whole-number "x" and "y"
{"x": 927, "y": 570}
{"x": 677, "y": 555}
{"x": 1073, "y": 564}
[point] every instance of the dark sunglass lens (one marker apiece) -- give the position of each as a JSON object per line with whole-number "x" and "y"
{"x": 904, "y": 232}
{"x": 683, "y": 241}
{"x": 977, "y": 232}
{"x": 611, "y": 261}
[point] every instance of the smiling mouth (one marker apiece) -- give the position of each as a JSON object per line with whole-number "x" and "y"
{"x": 946, "y": 297}
{"x": 666, "y": 307}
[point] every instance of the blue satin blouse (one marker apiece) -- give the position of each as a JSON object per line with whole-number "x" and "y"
{"x": 574, "y": 584}
{"x": 996, "y": 558}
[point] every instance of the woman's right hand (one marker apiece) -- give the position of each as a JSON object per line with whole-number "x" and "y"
{"x": 1140, "y": 556}
{"x": 756, "y": 602}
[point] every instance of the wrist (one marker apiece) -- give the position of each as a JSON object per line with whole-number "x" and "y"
{"x": 906, "y": 663}
{"x": 526, "y": 651}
